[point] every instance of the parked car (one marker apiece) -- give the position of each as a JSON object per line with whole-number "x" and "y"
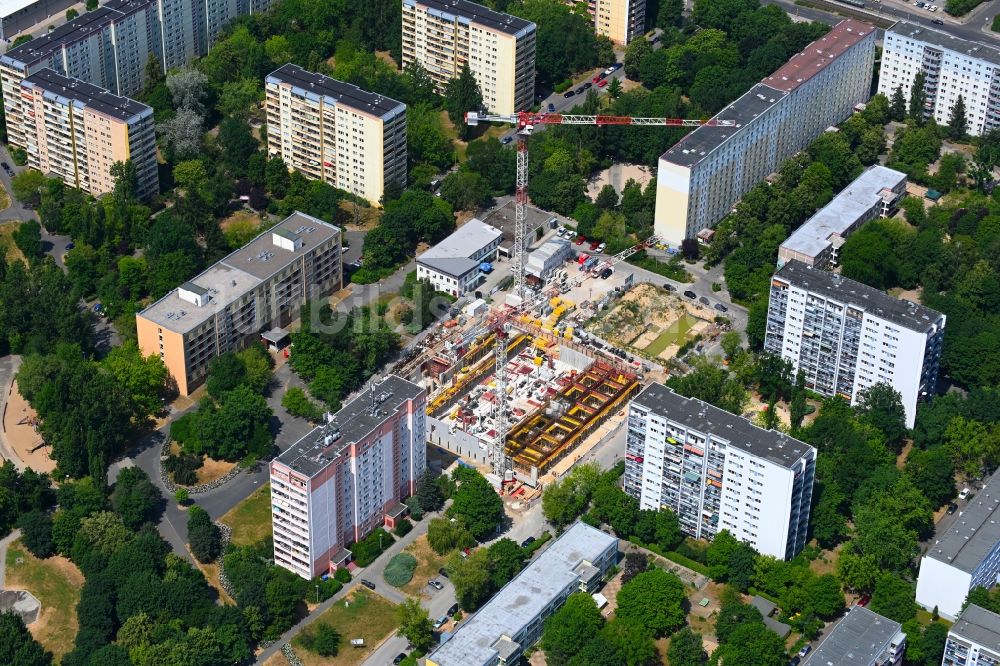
{"x": 602, "y": 247}
{"x": 933, "y": 8}
{"x": 568, "y": 94}
{"x": 507, "y": 139}
{"x": 937, "y": 22}
{"x": 794, "y": 661}
{"x": 443, "y": 572}
{"x": 602, "y": 83}
{"x": 670, "y": 287}
{"x": 965, "y": 493}
{"x": 588, "y": 85}
{"x": 598, "y": 77}
{"x": 70, "y": 246}
{"x": 594, "y": 245}
{"x": 690, "y": 294}
{"x": 367, "y": 583}
{"x": 453, "y": 609}
{"x": 615, "y": 67}
{"x": 527, "y": 542}
{"x": 952, "y": 508}
{"x": 703, "y": 300}
{"x": 441, "y": 621}
{"x": 579, "y": 90}
{"x": 436, "y": 584}
{"x": 863, "y": 601}
{"x": 806, "y": 649}
{"x": 580, "y": 240}
{"x": 399, "y": 658}
{"x": 721, "y": 308}
{"x": 552, "y": 107}
{"x": 606, "y": 273}
{"x": 583, "y": 257}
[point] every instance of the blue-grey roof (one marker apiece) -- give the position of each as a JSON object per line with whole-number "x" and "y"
{"x": 976, "y": 532}
{"x": 453, "y": 255}
{"x": 980, "y": 626}
{"x": 348, "y": 94}
{"x": 67, "y": 90}
{"x": 467, "y": 12}
{"x": 859, "y": 638}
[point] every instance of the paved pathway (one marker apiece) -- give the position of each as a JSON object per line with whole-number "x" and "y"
{"x": 4, "y": 543}
{"x": 8, "y": 370}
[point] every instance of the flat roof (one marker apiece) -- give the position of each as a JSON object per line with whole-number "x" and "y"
{"x": 523, "y": 599}
{"x": 874, "y": 301}
{"x": 79, "y": 28}
{"x": 8, "y": 7}
{"x": 859, "y": 638}
{"x": 453, "y": 255}
{"x": 503, "y": 217}
{"x": 943, "y": 40}
{"x": 235, "y": 275}
{"x": 980, "y": 626}
{"x": 347, "y": 94}
{"x": 813, "y": 58}
{"x": 313, "y": 453}
{"x": 771, "y": 445}
{"x": 974, "y": 534}
{"x": 835, "y": 218}
{"x": 92, "y": 97}
{"x": 476, "y": 13}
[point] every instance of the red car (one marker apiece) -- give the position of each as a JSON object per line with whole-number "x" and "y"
{"x": 863, "y": 601}
{"x": 583, "y": 257}
{"x": 602, "y": 83}
{"x": 598, "y": 78}
{"x": 580, "y": 240}
{"x": 594, "y": 244}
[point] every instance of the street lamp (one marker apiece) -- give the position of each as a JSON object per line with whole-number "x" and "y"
{"x": 317, "y": 592}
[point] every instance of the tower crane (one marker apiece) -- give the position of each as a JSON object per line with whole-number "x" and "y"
{"x": 525, "y": 121}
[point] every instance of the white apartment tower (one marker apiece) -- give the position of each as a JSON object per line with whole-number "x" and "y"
{"x": 346, "y": 478}
{"x": 703, "y": 176}
{"x": 335, "y": 132}
{"x": 954, "y": 67}
{"x": 846, "y": 336}
{"x": 974, "y": 640}
{"x": 443, "y": 35}
{"x": 717, "y": 471}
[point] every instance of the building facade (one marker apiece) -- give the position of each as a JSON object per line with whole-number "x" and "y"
{"x": 335, "y": 132}
{"x": 953, "y": 67}
{"x": 347, "y": 477}
{"x": 444, "y": 35}
{"x": 717, "y": 471}
{"x": 619, "y": 20}
{"x": 873, "y": 194}
{"x": 454, "y": 265}
{"x": 512, "y": 621}
{"x": 966, "y": 556}
{"x": 256, "y": 288}
{"x": 974, "y": 640}
{"x": 20, "y": 15}
{"x": 77, "y": 131}
{"x": 701, "y": 178}
{"x": 861, "y": 638}
{"x": 846, "y": 336}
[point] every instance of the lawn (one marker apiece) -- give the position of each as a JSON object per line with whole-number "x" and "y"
{"x": 428, "y": 563}
{"x": 251, "y": 518}
{"x": 364, "y": 615}
{"x": 676, "y": 334}
{"x": 482, "y": 132}
{"x": 8, "y": 248}
{"x": 56, "y": 583}
{"x": 4, "y": 198}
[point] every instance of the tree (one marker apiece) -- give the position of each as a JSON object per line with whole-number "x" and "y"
{"x": 28, "y": 238}
{"x": 104, "y": 532}
{"x": 183, "y": 132}
{"x": 134, "y": 497}
{"x": 752, "y": 644}
{"x": 326, "y": 641}
{"x": 933, "y": 473}
{"x": 36, "y": 534}
{"x": 27, "y": 187}
{"x": 730, "y": 560}
{"x": 298, "y": 403}
{"x": 237, "y": 145}
{"x": 918, "y": 97}
{"x": 635, "y": 563}
{"x": 653, "y": 600}
{"x": 465, "y": 190}
{"x": 973, "y": 445}
{"x": 188, "y": 89}
{"x": 142, "y": 378}
{"x": 17, "y": 647}
{"x": 897, "y": 105}
{"x": 687, "y": 649}
{"x": 240, "y": 427}
{"x": 276, "y": 177}
{"x": 415, "y": 624}
{"x": 224, "y": 374}
{"x": 203, "y": 535}
{"x": 478, "y": 505}
{"x": 462, "y": 95}
{"x": 471, "y": 578}
{"x": 637, "y": 51}
{"x": 506, "y": 559}
{"x": 881, "y": 406}
{"x": 958, "y": 124}
{"x": 445, "y": 535}
{"x": 894, "y": 598}
{"x": 570, "y": 628}
{"x": 607, "y": 198}
{"x": 428, "y": 493}
{"x": 615, "y": 88}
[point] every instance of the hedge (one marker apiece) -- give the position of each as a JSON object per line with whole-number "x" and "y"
{"x": 400, "y": 570}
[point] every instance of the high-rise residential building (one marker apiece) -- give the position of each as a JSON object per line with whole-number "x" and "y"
{"x": 966, "y": 556}
{"x": 348, "y": 477}
{"x": 335, "y": 132}
{"x": 20, "y": 15}
{"x": 974, "y": 640}
{"x": 861, "y": 638}
{"x": 444, "y": 35}
{"x": 845, "y": 336}
{"x": 703, "y": 175}
{"x": 77, "y": 131}
{"x": 109, "y": 47}
{"x": 512, "y": 621}
{"x": 953, "y": 67}
{"x": 871, "y": 195}
{"x": 717, "y": 471}
{"x": 619, "y": 20}
{"x": 253, "y": 290}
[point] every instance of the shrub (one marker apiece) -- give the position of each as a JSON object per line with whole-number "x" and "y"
{"x": 19, "y": 155}
{"x": 298, "y": 404}
{"x": 325, "y": 641}
{"x": 366, "y": 550}
{"x": 204, "y": 535}
{"x": 183, "y": 468}
{"x": 400, "y": 570}
{"x": 343, "y": 575}
{"x": 403, "y": 528}
{"x": 324, "y": 589}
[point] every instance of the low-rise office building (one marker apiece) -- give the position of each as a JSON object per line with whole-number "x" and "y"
{"x": 454, "y": 266}
{"x": 347, "y": 477}
{"x": 717, "y": 471}
{"x": 77, "y": 132}
{"x": 256, "y": 288}
{"x": 873, "y": 194}
{"x": 974, "y": 639}
{"x": 846, "y": 336}
{"x": 336, "y": 132}
{"x": 966, "y": 556}
{"x": 444, "y": 35}
{"x": 511, "y": 622}
{"x": 861, "y": 638}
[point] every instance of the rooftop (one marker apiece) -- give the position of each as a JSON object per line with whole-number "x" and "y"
{"x": 10, "y": 7}
{"x": 235, "y": 275}
{"x": 523, "y": 599}
{"x": 502, "y": 218}
{"x": 78, "y": 29}
{"x": 874, "y": 301}
{"x": 314, "y": 452}
{"x": 94, "y": 98}
{"x": 980, "y": 626}
{"x": 859, "y": 638}
{"x": 452, "y": 256}
{"x": 771, "y": 445}
{"x": 470, "y": 11}
{"x": 943, "y": 40}
{"x": 835, "y": 218}
{"x": 341, "y": 93}
{"x": 974, "y": 534}
{"x": 803, "y": 66}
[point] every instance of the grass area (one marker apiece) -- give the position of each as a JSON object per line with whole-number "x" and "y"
{"x": 251, "y": 518}
{"x": 676, "y": 334}
{"x": 428, "y": 563}
{"x": 669, "y": 269}
{"x": 924, "y": 617}
{"x": 240, "y": 227}
{"x": 4, "y": 198}
{"x": 480, "y": 132}
{"x": 7, "y": 245}
{"x": 362, "y": 614}
{"x": 56, "y": 583}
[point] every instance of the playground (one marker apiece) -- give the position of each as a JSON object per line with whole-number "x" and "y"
{"x": 20, "y": 427}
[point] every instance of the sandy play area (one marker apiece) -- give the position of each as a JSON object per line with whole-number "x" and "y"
{"x": 21, "y": 435}
{"x": 617, "y": 175}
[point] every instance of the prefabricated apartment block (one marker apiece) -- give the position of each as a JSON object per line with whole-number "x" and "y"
{"x": 336, "y": 132}
{"x": 444, "y": 35}
{"x": 717, "y": 471}
{"x": 703, "y": 175}
{"x": 260, "y": 286}
{"x": 347, "y": 477}
{"x": 974, "y": 639}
